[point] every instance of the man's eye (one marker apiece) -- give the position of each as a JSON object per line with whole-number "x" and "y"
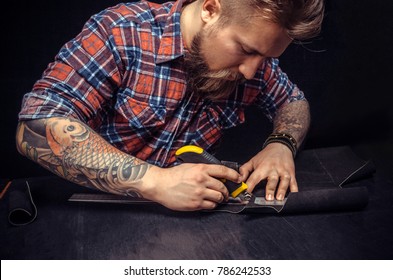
{"x": 247, "y": 52}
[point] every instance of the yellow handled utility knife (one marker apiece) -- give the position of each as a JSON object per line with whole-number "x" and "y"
{"x": 195, "y": 154}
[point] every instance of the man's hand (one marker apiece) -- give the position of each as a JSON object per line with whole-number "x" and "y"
{"x": 275, "y": 164}
{"x": 189, "y": 187}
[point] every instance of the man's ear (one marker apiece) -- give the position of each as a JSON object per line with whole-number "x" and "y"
{"x": 211, "y": 10}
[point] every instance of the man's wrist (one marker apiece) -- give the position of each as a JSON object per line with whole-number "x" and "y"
{"x": 283, "y": 138}
{"x": 152, "y": 183}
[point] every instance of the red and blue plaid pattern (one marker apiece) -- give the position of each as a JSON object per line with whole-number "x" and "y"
{"x": 123, "y": 75}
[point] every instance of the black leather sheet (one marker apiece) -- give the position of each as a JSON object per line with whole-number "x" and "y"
{"x": 74, "y": 230}
{"x": 329, "y": 180}
{"x": 323, "y": 188}
{"x": 22, "y": 209}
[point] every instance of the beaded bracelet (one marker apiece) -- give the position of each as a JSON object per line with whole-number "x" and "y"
{"x": 283, "y": 138}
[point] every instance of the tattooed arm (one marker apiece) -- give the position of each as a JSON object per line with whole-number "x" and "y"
{"x": 294, "y": 118}
{"x": 72, "y": 150}
{"x": 275, "y": 162}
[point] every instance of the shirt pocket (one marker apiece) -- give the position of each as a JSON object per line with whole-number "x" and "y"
{"x": 139, "y": 113}
{"x": 226, "y": 117}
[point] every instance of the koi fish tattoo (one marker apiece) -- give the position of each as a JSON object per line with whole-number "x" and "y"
{"x": 72, "y": 150}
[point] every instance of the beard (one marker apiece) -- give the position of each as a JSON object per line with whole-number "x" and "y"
{"x": 206, "y": 83}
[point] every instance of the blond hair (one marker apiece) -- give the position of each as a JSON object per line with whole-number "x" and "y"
{"x": 301, "y": 18}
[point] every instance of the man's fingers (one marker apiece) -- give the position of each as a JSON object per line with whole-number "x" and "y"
{"x": 245, "y": 170}
{"x": 277, "y": 184}
{"x": 207, "y": 204}
{"x": 272, "y": 181}
{"x": 210, "y": 198}
{"x": 285, "y": 180}
{"x": 214, "y": 196}
{"x": 222, "y": 172}
{"x": 252, "y": 181}
{"x": 201, "y": 204}
{"x": 293, "y": 187}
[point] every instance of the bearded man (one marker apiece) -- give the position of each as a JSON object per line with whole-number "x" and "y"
{"x": 143, "y": 79}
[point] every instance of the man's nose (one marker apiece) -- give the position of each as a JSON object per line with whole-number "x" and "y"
{"x": 250, "y": 66}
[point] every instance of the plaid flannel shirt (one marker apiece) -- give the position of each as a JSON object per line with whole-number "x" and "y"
{"x": 123, "y": 76}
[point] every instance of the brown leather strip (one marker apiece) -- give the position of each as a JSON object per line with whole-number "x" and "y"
{"x": 5, "y": 189}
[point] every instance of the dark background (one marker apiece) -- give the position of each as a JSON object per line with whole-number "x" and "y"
{"x": 345, "y": 73}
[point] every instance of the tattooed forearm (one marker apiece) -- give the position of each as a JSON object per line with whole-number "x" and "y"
{"x": 75, "y": 152}
{"x": 293, "y": 118}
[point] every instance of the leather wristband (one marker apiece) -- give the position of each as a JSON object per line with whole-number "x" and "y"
{"x": 283, "y": 138}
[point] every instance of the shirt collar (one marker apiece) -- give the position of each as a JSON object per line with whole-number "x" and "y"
{"x": 171, "y": 45}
